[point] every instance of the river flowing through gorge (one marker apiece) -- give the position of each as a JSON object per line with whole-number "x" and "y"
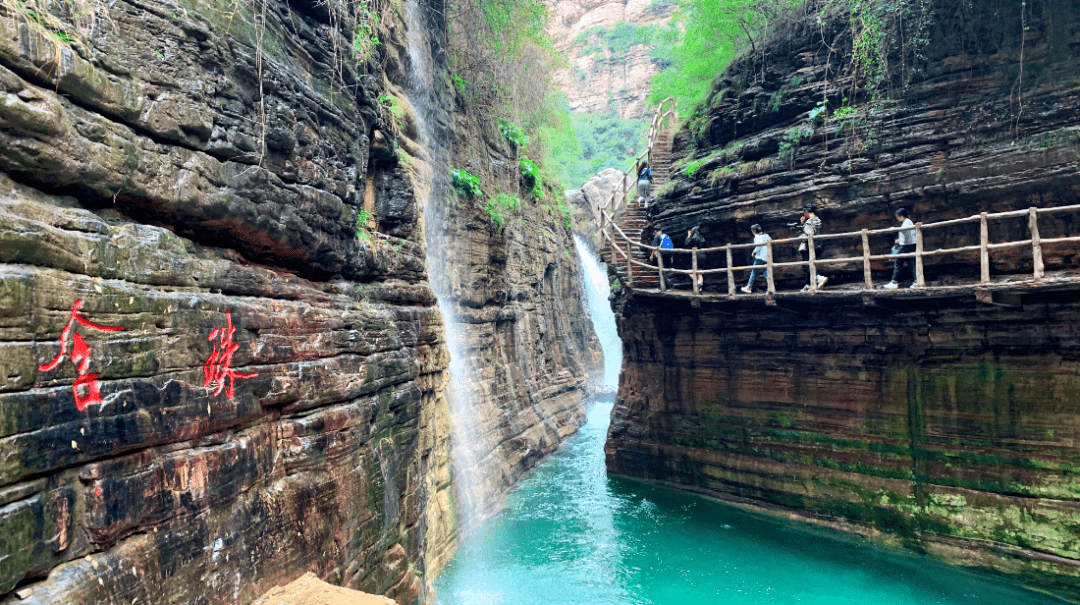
{"x": 572, "y": 535}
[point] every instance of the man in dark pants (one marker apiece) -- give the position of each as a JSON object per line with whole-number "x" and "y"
{"x": 811, "y": 225}
{"x": 905, "y": 244}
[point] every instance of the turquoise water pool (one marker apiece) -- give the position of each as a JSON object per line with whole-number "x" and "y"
{"x": 571, "y": 535}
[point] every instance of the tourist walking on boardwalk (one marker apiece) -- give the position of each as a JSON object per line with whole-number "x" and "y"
{"x": 760, "y": 254}
{"x": 694, "y": 240}
{"x": 811, "y": 225}
{"x": 661, "y": 241}
{"x": 644, "y": 182}
{"x": 905, "y": 244}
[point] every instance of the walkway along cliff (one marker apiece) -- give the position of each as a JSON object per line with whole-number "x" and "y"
{"x": 223, "y": 364}
{"x": 943, "y": 418}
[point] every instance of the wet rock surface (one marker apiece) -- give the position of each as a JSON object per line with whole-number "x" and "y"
{"x": 213, "y": 379}
{"x": 517, "y": 303}
{"x": 936, "y": 423}
{"x": 944, "y": 425}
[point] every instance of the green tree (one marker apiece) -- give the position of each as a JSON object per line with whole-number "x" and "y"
{"x": 701, "y": 40}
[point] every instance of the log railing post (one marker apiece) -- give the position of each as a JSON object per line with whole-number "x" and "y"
{"x": 693, "y": 269}
{"x": 769, "y": 279}
{"x": 984, "y": 251}
{"x": 1036, "y": 243}
{"x": 629, "y": 264}
{"x": 730, "y": 273}
{"x": 867, "y": 277}
{"x": 660, "y": 269}
{"x": 920, "y": 277}
{"x": 813, "y": 262}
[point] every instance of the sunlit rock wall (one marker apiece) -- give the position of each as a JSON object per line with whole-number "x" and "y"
{"x": 210, "y": 382}
{"x": 603, "y": 81}
{"x": 942, "y": 425}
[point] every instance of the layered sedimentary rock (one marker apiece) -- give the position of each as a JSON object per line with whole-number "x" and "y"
{"x": 223, "y": 363}
{"x": 211, "y": 382}
{"x": 934, "y": 422}
{"x": 513, "y": 292}
{"x": 601, "y": 79}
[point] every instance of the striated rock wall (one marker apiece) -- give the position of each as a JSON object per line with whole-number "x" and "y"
{"x": 224, "y": 363}
{"x": 516, "y": 309}
{"x": 967, "y": 134}
{"x": 603, "y": 81}
{"x": 214, "y": 379}
{"x": 940, "y": 425}
{"x": 934, "y": 423}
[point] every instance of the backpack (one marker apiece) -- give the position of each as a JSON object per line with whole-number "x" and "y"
{"x": 666, "y": 243}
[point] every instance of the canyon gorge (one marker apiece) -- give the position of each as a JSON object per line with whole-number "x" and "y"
{"x": 283, "y": 291}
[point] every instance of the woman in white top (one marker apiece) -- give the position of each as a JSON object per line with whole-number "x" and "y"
{"x": 761, "y": 256}
{"x": 905, "y": 243}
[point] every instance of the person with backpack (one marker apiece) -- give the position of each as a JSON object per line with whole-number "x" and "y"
{"x": 660, "y": 242}
{"x": 811, "y": 225}
{"x": 644, "y": 185}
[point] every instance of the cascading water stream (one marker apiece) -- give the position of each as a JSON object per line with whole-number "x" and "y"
{"x": 603, "y": 320}
{"x": 463, "y": 421}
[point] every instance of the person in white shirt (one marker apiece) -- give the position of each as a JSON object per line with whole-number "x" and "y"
{"x": 905, "y": 244}
{"x": 760, "y": 254}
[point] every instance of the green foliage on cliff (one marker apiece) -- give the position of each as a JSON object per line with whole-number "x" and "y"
{"x": 615, "y": 40}
{"x": 701, "y": 40}
{"x": 513, "y": 133}
{"x": 530, "y": 174}
{"x": 498, "y": 208}
{"x": 465, "y": 183}
{"x": 591, "y": 142}
{"x": 501, "y": 62}
{"x": 365, "y": 39}
{"x": 888, "y": 41}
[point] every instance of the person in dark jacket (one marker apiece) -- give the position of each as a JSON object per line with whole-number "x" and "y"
{"x": 644, "y": 184}
{"x": 694, "y": 240}
{"x": 811, "y": 225}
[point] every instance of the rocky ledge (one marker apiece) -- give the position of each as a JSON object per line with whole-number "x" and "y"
{"x": 933, "y": 421}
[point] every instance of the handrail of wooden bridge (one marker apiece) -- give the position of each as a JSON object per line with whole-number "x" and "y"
{"x": 984, "y": 248}
{"x": 663, "y": 120}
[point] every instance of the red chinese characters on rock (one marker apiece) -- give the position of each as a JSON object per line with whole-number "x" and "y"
{"x": 218, "y": 367}
{"x": 80, "y": 356}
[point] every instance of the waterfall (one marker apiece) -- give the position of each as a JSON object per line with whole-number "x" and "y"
{"x": 464, "y": 425}
{"x": 596, "y": 291}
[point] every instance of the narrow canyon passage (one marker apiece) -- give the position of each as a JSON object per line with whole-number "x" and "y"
{"x": 570, "y": 534}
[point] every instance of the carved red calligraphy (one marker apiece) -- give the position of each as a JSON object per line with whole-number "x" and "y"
{"x": 218, "y": 367}
{"x": 80, "y": 356}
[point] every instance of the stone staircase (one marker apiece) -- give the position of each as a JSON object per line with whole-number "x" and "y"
{"x": 634, "y": 222}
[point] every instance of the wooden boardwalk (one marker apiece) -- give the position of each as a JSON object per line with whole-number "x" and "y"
{"x": 623, "y": 247}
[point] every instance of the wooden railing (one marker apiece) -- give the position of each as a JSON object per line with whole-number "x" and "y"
{"x": 618, "y": 240}
{"x": 664, "y": 119}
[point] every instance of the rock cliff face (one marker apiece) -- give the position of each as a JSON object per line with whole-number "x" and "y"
{"x": 210, "y": 384}
{"x": 224, "y": 365}
{"x": 516, "y": 311}
{"x": 936, "y": 423}
{"x": 597, "y": 79}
